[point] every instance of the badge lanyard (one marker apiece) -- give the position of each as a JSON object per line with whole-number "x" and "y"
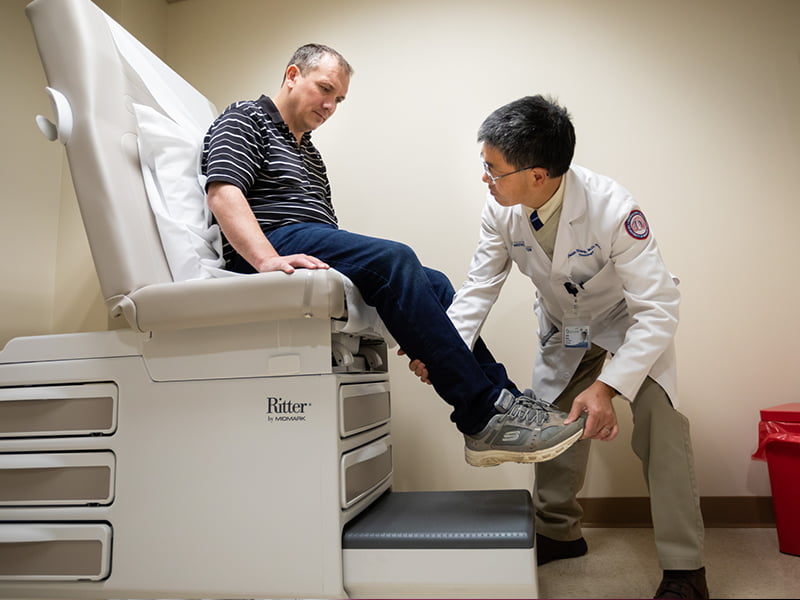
{"x": 577, "y": 333}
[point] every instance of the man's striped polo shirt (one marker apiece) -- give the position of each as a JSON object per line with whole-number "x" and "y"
{"x": 251, "y": 147}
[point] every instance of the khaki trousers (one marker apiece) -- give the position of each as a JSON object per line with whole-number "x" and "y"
{"x": 661, "y": 441}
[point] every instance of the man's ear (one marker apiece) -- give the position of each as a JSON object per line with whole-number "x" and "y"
{"x": 292, "y": 73}
{"x": 539, "y": 176}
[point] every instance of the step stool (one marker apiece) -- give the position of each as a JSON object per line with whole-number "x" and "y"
{"x": 456, "y": 544}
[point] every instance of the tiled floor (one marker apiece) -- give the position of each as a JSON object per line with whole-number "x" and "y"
{"x": 622, "y": 563}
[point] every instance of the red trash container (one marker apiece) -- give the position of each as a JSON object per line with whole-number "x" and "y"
{"x": 779, "y": 445}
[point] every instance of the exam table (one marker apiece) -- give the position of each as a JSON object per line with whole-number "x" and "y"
{"x": 232, "y": 438}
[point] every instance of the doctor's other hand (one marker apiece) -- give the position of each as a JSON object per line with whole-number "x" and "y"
{"x": 288, "y": 263}
{"x": 601, "y": 418}
{"x": 417, "y": 367}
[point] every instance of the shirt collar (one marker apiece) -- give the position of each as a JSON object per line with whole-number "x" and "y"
{"x": 552, "y": 205}
{"x": 266, "y": 103}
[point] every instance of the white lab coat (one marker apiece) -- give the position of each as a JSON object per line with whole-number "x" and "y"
{"x": 630, "y": 296}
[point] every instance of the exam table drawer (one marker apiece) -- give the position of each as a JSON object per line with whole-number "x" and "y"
{"x": 63, "y": 410}
{"x": 364, "y": 469}
{"x": 56, "y": 479}
{"x": 54, "y": 551}
{"x": 363, "y": 406}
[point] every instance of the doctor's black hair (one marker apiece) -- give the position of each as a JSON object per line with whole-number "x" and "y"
{"x": 307, "y": 58}
{"x": 531, "y": 131}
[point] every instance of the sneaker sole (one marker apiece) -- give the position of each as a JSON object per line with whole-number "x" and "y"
{"x": 491, "y": 458}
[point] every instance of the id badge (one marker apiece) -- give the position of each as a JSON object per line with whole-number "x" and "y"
{"x": 577, "y": 333}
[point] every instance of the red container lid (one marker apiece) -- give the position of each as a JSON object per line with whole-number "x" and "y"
{"x": 783, "y": 412}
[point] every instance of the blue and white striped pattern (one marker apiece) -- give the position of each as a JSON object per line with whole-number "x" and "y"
{"x": 251, "y": 147}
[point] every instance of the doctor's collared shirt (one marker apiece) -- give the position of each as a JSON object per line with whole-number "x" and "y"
{"x": 551, "y": 206}
{"x": 549, "y": 214}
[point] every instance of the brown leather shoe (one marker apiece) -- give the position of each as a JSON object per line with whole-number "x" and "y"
{"x": 684, "y": 584}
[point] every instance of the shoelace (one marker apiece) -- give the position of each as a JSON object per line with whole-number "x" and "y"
{"x": 529, "y": 410}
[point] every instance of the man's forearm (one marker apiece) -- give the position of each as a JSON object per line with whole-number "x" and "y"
{"x": 239, "y": 224}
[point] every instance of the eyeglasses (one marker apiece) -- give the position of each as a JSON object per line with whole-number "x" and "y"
{"x": 494, "y": 179}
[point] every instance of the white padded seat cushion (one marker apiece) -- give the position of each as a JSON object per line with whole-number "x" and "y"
{"x": 240, "y": 299}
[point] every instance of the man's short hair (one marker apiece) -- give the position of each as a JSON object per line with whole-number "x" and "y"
{"x": 307, "y": 58}
{"x": 533, "y": 131}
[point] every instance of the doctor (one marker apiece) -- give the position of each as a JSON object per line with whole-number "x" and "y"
{"x": 607, "y": 311}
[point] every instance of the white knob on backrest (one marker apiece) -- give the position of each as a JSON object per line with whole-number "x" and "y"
{"x": 62, "y": 128}
{"x": 47, "y": 128}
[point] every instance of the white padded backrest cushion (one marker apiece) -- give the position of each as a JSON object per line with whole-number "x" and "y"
{"x": 170, "y": 157}
{"x": 170, "y": 137}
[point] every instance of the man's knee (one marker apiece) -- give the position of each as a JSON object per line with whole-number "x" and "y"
{"x": 393, "y": 253}
{"x": 383, "y": 263}
{"x": 441, "y": 286}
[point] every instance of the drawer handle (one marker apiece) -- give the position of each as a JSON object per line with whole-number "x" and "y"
{"x": 14, "y": 534}
{"x": 40, "y": 532}
{"x": 53, "y": 461}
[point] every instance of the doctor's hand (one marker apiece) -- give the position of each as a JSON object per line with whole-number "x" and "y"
{"x": 601, "y": 419}
{"x": 288, "y": 263}
{"x": 417, "y": 367}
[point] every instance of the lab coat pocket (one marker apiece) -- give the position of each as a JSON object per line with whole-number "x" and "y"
{"x": 600, "y": 293}
{"x": 547, "y": 329}
{"x": 605, "y": 278}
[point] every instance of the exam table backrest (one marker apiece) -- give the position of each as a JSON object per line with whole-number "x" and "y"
{"x": 81, "y": 61}
{"x": 95, "y": 78}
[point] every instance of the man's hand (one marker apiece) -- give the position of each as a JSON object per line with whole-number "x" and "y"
{"x": 601, "y": 421}
{"x": 287, "y": 264}
{"x": 417, "y": 367}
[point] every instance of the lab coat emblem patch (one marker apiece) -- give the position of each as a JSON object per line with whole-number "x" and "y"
{"x": 636, "y": 225}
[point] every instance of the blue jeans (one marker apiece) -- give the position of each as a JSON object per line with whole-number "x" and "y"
{"x": 412, "y": 301}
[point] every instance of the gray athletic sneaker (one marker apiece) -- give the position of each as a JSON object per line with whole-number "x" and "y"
{"x": 527, "y": 430}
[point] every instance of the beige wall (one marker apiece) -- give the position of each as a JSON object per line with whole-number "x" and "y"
{"x": 694, "y": 106}
{"x": 31, "y": 174}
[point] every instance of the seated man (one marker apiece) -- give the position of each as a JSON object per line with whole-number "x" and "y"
{"x": 268, "y": 190}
